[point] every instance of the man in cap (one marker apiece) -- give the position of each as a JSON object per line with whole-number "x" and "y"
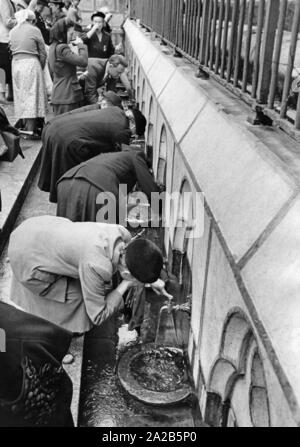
{"x": 104, "y": 73}
{"x": 56, "y": 7}
{"x": 98, "y": 41}
{"x": 62, "y": 271}
{"x": 72, "y": 138}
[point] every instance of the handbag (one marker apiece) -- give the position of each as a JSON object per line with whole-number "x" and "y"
{"x": 9, "y": 146}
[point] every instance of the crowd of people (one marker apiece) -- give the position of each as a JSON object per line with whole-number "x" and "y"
{"x": 70, "y": 272}
{"x": 50, "y": 62}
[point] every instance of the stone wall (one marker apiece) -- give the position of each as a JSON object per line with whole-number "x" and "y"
{"x": 244, "y": 343}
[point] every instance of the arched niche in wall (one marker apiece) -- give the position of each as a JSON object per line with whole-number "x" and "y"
{"x": 134, "y": 72}
{"x": 259, "y": 404}
{"x": 181, "y": 262}
{"x": 184, "y": 222}
{"x": 143, "y": 98}
{"x": 150, "y": 131}
{"x": 237, "y": 391}
{"x": 162, "y": 157}
{"x": 138, "y": 89}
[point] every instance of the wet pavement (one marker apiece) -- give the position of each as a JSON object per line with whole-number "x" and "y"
{"x": 35, "y": 204}
{"x": 104, "y": 403}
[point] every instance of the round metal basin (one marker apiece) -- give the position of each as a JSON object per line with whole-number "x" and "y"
{"x": 135, "y": 389}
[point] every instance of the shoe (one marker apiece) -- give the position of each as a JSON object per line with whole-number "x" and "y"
{"x": 3, "y": 101}
{"x": 31, "y": 136}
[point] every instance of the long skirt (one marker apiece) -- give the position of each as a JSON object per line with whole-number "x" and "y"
{"x": 76, "y": 200}
{"x": 30, "y": 96}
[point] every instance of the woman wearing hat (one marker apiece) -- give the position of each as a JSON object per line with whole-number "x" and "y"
{"x": 66, "y": 93}
{"x": 62, "y": 271}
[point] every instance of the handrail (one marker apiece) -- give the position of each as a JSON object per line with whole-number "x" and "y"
{"x": 250, "y": 46}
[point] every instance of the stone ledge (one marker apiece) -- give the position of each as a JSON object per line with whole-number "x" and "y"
{"x": 15, "y": 181}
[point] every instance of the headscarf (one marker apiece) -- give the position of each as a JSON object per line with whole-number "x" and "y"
{"x": 24, "y": 15}
{"x": 59, "y": 31}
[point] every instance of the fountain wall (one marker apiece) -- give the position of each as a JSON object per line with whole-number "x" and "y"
{"x": 243, "y": 341}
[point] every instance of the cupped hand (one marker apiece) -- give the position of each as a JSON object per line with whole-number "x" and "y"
{"x": 159, "y": 288}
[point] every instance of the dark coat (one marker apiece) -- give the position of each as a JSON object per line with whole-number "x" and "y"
{"x": 103, "y": 49}
{"x": 63, "y": 63}
{"x": 34, "y": 388}
{"x": 77, "y": 201}
{"x": 40, "y": 23}
{"x": 71, "y": 139}
{"x": 94, "y": 79}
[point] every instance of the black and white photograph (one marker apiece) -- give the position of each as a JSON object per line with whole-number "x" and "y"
{"x": 149, "y": 217}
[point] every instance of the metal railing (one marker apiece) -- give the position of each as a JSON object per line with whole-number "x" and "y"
{"x": 249, "y": 46}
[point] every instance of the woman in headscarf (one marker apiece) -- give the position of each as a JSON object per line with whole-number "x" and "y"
{"x": 66, "y": 94}
{"x": 29, "y": 58}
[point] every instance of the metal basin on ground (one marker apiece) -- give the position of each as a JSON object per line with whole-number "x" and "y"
{"x": 137, "y": 390}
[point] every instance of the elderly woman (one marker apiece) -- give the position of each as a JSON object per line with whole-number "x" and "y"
{"x": 66, "y": 94}
{"x": 29, "y": 58}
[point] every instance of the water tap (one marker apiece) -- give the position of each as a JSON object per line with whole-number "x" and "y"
{"x": 170, "y": 306}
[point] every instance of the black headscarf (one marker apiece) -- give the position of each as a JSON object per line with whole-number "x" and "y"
{"x": 140, "y": 122}
{"x": 59, "y": 31}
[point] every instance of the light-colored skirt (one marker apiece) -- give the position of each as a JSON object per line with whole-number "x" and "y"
{"x": 30, "y": 96}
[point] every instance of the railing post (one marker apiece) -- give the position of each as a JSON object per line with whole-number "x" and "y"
{"x": 291, "y": 59}
{"x": 265, "y": 72}
{"x": 204, "y": 30}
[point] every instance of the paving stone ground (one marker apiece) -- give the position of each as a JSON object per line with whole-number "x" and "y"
{"x": 36, "y": 204}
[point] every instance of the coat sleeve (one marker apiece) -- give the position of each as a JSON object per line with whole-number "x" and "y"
{"x": 144, "y": 178}
{"x": 110, "y": 47}
{"x": 98, "y": 306}
{"x": 91, "y": 85}
{"x": 41, "y": 47}
{"x": 80, "y": 60}
{"x": 6, "y": 16}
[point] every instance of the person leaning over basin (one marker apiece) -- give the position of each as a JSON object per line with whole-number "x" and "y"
{"x": 78, "y": 189}
{"x": 104, "y": 73}
{"x": 72, "y": 138}
{"x": 62, "y": 271}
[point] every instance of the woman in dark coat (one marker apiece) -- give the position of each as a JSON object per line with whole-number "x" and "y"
{"x": 67, "y": 93}
{"x": 71, "y": 139}
{"x": 77, "y": 190}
